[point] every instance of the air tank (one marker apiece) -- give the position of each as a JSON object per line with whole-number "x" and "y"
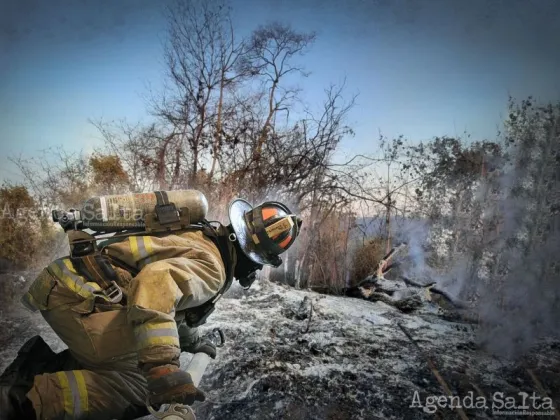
{"x": 128, "y": 211}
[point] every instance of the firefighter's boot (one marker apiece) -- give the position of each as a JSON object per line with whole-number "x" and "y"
{"x": 191, "y": 341}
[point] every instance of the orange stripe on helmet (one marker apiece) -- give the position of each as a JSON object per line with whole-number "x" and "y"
{"x": 286, "y": 242}
{"x": 269, "y": 212}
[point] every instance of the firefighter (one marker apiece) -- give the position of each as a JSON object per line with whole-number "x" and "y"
{"x": 123, "y": 351}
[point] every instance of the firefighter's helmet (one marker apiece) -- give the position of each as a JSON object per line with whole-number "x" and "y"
{"x": 264, "y": 232}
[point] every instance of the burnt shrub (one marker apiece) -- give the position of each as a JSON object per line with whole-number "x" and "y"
{"x": 366, "y": 257}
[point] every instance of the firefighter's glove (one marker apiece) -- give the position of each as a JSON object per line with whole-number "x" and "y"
{"x": 191, "y": 342}
{"x": 168, "y": 384}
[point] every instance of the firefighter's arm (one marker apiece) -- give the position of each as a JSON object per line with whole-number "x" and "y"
{"x": 164, "y": 287}
{"x": 176, "y": 283}
{"x": 184, "y": 270}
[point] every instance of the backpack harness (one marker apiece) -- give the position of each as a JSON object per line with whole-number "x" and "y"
{"x": 97, "y": 266}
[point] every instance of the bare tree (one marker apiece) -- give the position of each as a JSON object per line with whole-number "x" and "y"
{"x": 201, "y": 56}
{"x": 148, "y": 154}
{"x": 271, "y": 52}
{"x": 56, "y": 177}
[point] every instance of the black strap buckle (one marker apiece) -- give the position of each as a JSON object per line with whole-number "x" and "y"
{"x": 167, "y": 214}
{"x": 113, "y": 293}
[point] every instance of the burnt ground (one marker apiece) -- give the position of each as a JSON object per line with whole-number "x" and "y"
{"x": 355, "y": 362}
{"x": 350, "y": 361}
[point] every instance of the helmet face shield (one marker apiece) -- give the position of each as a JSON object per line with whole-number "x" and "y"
{"x": 263, "y": 232}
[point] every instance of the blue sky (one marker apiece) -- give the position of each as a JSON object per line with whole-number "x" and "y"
{"x": 421, "y": 67}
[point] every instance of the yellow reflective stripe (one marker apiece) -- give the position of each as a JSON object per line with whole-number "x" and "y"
{"x": 158, "y": 341}
{"x": 66, "y": 393}
{"x": 133, "y": 240}
{"x": 71, "y": 272}
{"x": 142, "y": 250}
{"x": 157, "y": 334}
{"x": 155, "y": 324}
{"x": 74, "y": 393}
{"x": 90, "y": 287}
{"x": 64, "y": 270}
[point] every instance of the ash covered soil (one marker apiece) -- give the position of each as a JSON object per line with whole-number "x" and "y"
{"x": 351, "y": 360}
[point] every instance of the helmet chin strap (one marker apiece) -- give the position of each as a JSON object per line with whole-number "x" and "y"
{"x": 245, "y": 269}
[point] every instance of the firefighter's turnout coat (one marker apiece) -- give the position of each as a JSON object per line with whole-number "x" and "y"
{"x": 108, "y": 341}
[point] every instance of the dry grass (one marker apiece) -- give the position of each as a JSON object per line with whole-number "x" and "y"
{"x": 28, "y": 241}
{"x": 366, "y": 258}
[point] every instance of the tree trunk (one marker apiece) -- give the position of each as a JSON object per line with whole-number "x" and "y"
{"x": 177, "y": 168}
{"x": 264, "y": 132}
{"x": 218, "y": 134}
{"x": 388, "y": 224}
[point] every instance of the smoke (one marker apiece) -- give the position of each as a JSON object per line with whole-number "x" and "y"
{"x": 505, "y": 263}
{"x": 427, "y": 242}
{"x": 520, "y": 305}
{"x": 516, "y": 295}
{"x": 417, "y": 234}
{"x": 525, "y": 307}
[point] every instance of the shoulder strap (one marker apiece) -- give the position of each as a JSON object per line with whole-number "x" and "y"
{"x": 96, "y": 267}
{"x": 220, "y": 237}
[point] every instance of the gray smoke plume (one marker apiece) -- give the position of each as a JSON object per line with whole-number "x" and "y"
{"x": 506, "y": 264}
{"x": 522, "y": 302}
